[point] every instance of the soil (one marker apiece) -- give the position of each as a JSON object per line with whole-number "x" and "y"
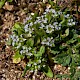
{"x": 9, "y": 14}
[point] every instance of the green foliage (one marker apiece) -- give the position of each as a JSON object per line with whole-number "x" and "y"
{"x": 17, "y": 57}
{"x": 49, "y": 37}
{"x": 2, "y": 2}
{"x": 48, "y": 71}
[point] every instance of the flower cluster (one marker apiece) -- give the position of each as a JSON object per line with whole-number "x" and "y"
{"x": 39, "y": 34}
{"x": 48, "y": 42}
{"x": 15, "y": 39}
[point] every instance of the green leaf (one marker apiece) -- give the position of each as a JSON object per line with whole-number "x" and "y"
{"x": 27, "y": 68}
{"x": 66, "y": 60}
{"x": 36, "y": 40}
{"x": 30, "y": 42}
{"x": 2, "y": 2}
{"x": 42, "y": 49}
{"x": 19, "y": 32}
{"x": 35, "y": 15}
{"x": 38, "y": 54}
{"x": 9, "y": 0}
{"x": 72, "y": 70}
{"x": 51, "y": 3}
{"x": 71, "y": 41}
{"x": 67, "y": 31}
{"x": 16, "y": 25}
{"x": 77, "y": 45}
{"x": 54, "y": 52}
{"x": 77, "y": 75}
{"x": 17, "y": 57}
{"x": 79, "y": 38}
{"x": 48, "y": 71}
{"x": 48, "y": 16}
{"x": 18, "y": 28}
{"x": 63, "y": 21}
{"x": 63, "y": 59}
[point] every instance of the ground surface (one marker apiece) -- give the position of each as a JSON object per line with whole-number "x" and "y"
{"x": 9, "y": 14}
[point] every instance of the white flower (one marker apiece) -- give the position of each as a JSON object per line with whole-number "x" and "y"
{"x": 47, "y": 10}
{"x": 69, "y": 24}
{"x": 35, "y": 22}
{"x": 30, "y": 31}
{"x": 56, "y": 27}
{"x": 47, "y": 43}
{"x": 31, "y": 71}
{"x": 29, "y": 65}
{"x": 55, "y": 15}
{"x": 43, "y": 59}
{"x": 42, "y": 43}
{"x": 39, "y": 61}
{"x": 21, "y": 35}
{"x": 44, "y": 65}
{"x": 49, "y": 28}
{"x": 44, "y": 20}
{"x": 42, "y": 16}
{"x": 13, "y": 43}
{"x": 73, "y": 23}
{"x": 49, "y": 39}
{"x": 49, "y": 31}
{"x": 23, "y": 39}
{"x": 39, "y": 66}
{"x": 66, "y": 16}
{"x": 26, "y": 27}
{"x": 28, "y": 18}
{"x": 15, "y": 38}
{"x": 44, "y": 13}
{"x": 21, "y": 52}
{"x": 50, "y": 45}
{"x": 52, "y": 41}
{"x": 55, "y": 23}
{"x": 32, "y": 13}
{"x": 59, "y": 12}
{"x": 71, "y": 20}
{"x": 59, "y": 25}
{"x": 35, "y": 64}
{"x": 29, "y": 35}
{"x": 23, "y": 47}
{"x": 53, "y": 11}
{"x": 29, "y": 48}
{"x": 42, "y": 26}
{"x": 35, "y": 51}
{"x": 31, "y": 24}
{"x": 29, "y": 54}
{"x": 38, "y": 17}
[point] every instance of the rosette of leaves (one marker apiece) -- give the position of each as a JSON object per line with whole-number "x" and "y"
{"x": 47, "y": 39}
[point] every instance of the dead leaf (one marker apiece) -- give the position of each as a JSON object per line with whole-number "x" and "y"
{"x": 16, "y": 60}
{"x": 8, "y": 7}
{"x": 54, "y": 1}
